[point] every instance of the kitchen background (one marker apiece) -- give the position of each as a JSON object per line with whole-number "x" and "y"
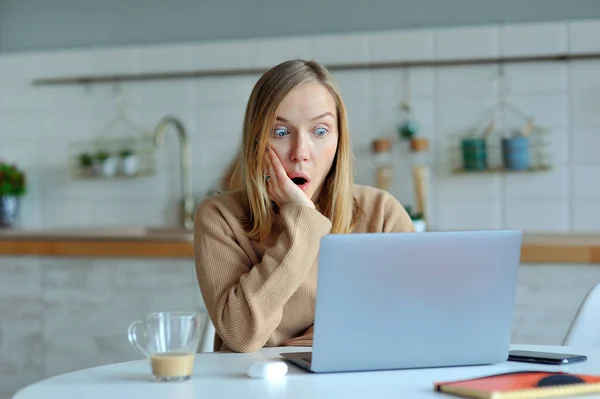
{"x": 63, "y": 314}
{"x": 39, "y": 124}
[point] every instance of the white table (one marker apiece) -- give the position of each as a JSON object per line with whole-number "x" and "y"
{"x": 219, "y": 375}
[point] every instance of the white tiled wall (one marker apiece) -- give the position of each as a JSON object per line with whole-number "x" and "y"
{"x": 58, "y": 314}
{"x": 37, "y": 124}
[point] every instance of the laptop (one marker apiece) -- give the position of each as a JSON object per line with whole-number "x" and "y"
{"x": 413, "y": 300}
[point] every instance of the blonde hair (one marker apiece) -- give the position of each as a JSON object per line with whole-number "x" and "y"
{"x": 336, "y": 199}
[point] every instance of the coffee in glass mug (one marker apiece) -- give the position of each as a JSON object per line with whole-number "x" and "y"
{"x": 170, "y": 341}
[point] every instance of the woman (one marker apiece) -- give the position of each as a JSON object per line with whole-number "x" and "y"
{"x": 256, "y": 248}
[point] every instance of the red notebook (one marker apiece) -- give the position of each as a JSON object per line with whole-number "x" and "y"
{"x": 522, "y": 385}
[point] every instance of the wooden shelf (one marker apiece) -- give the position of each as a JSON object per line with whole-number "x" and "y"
{"x": 503, "y": 170}
{"x": 116, "y": 177}
{"x": 116, "y": 78}
{"x": 97, "y": 248}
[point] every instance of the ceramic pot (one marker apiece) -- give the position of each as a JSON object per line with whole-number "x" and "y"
{"x": 9, "y": 210}
{"x": 420, "y": 225}
{"x": 129, "y": 165}
{"x": 106, "y": 168}
{"x": 515, "y": 151}
{"x": 474, "y": 154}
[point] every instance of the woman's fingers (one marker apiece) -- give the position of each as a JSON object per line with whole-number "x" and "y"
{"x": 269, "y": 177}
{"x": 280, "y": 187}
{"x": 277, "y": 166}
{"x": 270, "y": 168}
{"x": 273, "y": 184}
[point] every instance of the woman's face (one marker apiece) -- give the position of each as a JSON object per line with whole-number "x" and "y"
{"x": 305, "y": 136}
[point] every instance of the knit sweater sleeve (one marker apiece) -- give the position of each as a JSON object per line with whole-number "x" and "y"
{"x": 245, "y": 301}
{"x": 396, "y": 219}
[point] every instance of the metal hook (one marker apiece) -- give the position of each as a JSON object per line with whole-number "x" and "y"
{"x": 504, "y": 83}
{"x": 117, "y": 90}
{"x": 406, "y": 106}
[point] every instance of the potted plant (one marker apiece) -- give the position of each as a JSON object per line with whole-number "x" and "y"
{"x": 129, "y": 162}
{"x": 86, "y": 162}
{"x": 417, "y": 219}
{"x": 105, "y": 164}
{"x": 12, "y": 187}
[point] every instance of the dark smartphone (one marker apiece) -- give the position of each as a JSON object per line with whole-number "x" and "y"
{"x": 544, "y": 357}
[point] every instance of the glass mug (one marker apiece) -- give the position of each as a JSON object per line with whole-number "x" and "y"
{"x": 170, "y": 341}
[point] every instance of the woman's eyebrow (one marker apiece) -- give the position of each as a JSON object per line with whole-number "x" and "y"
{"x": 280, "y": 119}
{"x": 323, "y": 115}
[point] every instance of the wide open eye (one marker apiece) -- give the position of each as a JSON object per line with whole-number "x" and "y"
{"x": 320, "y": 131}
{"x": 280, "y": 132}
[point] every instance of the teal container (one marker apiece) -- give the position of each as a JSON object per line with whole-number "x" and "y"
{"x": 474, "y": 155}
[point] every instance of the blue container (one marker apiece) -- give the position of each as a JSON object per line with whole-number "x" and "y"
{"x": 515, "y": 152}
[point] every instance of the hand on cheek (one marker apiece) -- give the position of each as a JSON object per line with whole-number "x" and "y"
{"x": 281, "y": 188}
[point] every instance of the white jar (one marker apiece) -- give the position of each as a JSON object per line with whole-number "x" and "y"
{"x": 420, "y": 225}
{"x": 129, "y": 165}
{"x": 106, "y": 168}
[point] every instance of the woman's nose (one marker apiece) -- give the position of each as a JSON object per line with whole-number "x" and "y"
{"x": 299, "y": 151}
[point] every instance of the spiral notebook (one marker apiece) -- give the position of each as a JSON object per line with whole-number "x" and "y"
{"x": 522, "y": 385}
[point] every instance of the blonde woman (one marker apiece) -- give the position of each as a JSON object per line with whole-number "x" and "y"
{"x": 256, "y": 248}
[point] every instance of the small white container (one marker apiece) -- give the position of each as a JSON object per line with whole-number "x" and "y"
{"x": 106, "y": 168}
{"x": 420, "y": 225}
{"x": 129, "y": 165}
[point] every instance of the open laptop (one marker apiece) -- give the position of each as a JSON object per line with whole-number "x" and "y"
{"x": 413, "y": 300}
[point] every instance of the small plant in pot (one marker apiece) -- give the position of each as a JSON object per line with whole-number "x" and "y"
{"x": 417, "y": 219}
{"x": 86, "y": 163}
{"x": 105, "y": 164}
{"x": 12, "y": 188}
{"x": 129, "y": 162}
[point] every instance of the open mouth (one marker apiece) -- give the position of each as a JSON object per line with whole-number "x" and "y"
{"x": 299, "y": 181}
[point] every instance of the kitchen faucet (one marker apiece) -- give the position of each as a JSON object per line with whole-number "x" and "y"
{"x": 187, "y": 199}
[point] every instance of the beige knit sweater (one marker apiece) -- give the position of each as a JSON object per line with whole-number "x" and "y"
{"x": 264, "y": 294}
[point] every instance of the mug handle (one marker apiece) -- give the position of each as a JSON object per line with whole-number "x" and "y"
{"x": 133, "y": 334}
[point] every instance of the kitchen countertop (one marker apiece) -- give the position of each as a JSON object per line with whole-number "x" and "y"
{"x": 174, "y": 242}
{"x": 137, "y": 233}
{"x": 561, "y": 248}
{"x": 137, "y": 242}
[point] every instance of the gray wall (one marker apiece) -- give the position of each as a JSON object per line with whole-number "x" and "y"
{"x": 47, "y": 24}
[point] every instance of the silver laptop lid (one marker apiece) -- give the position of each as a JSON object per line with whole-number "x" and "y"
{"x": 408, "y": 300}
